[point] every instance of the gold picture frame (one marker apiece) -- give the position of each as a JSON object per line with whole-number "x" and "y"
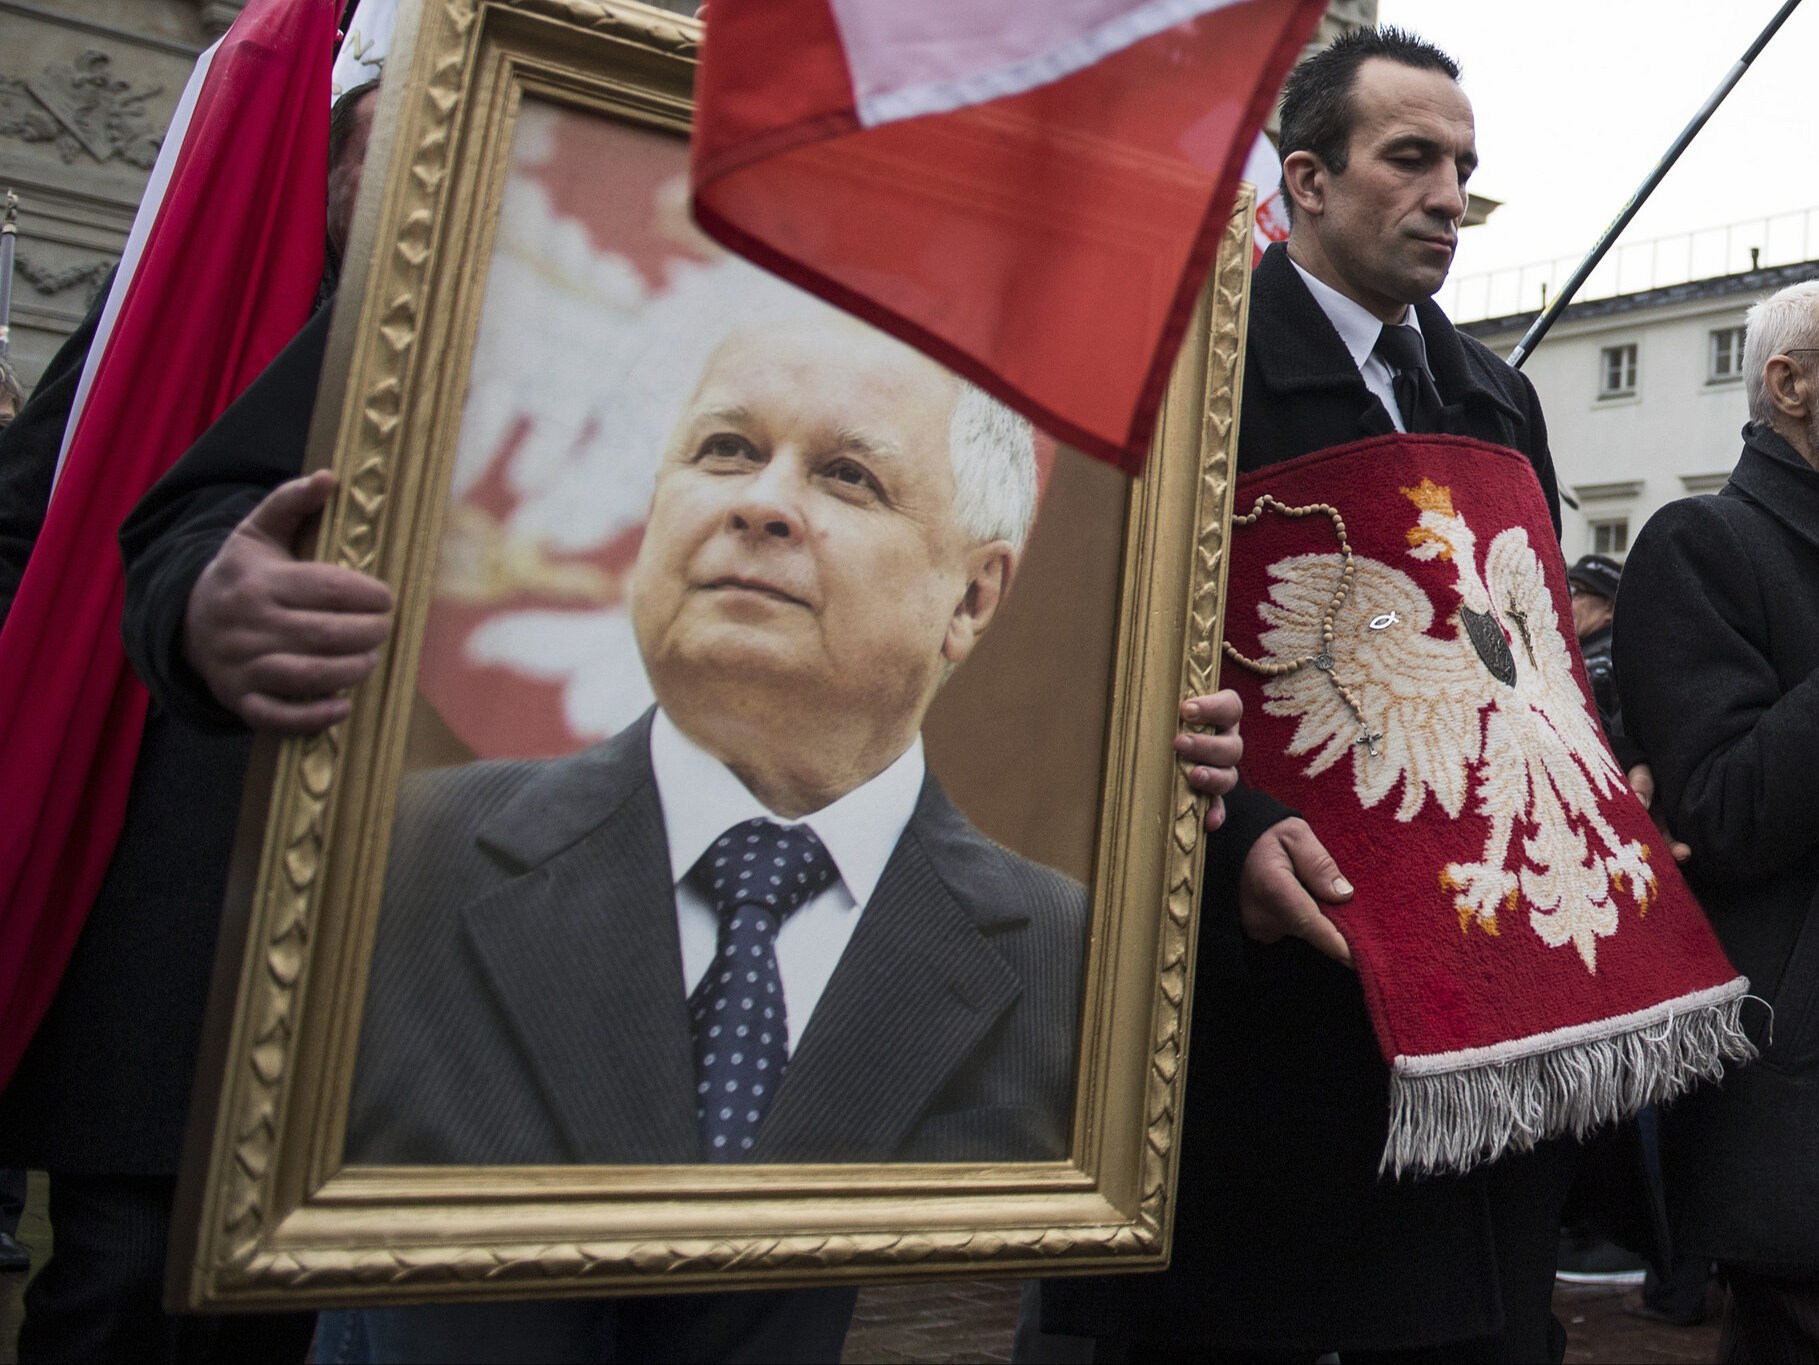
{"x": 270, "y": 1213}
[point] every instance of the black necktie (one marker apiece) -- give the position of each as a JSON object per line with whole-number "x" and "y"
{"x": 756, "y": 875}
{"x": 1400, "y": 348}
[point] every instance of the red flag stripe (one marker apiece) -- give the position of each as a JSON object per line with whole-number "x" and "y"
{"x": 1048, "y": 245}
{"x": 228, "y": 274}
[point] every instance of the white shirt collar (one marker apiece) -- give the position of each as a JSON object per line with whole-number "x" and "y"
{"x": 702, "y": 799}
{"x": 1357, "y": 326}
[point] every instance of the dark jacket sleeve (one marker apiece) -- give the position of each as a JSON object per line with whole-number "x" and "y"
{"x": 1732, "y": 750}
{"x": 1517, "y": 394}
{"x": 178, "y": 526}
{"x": 1536, "y": 448}
{"x": 29, "y": 447}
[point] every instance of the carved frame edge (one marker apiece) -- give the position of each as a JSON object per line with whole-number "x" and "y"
{"x": 235, "y": 1262}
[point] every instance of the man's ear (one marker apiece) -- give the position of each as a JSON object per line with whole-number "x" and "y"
{"x": 990, "y": 568}
{"x": 1788, "y": 388}
{"x": 1304, "y": 178}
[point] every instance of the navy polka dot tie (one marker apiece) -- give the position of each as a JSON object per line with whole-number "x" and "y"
{"x": 756, "y": 875}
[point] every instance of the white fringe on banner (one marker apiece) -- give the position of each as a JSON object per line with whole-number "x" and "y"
{"x": 1457, "y": 1110}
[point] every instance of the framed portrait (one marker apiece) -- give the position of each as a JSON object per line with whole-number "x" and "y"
{"x": 759, "y": 859}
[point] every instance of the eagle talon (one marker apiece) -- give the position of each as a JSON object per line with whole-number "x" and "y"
{"x": 1480, "y": 891}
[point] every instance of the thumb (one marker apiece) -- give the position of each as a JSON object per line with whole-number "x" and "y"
{"x": 1642, "y": 782}
{"x": 287, "y": 507}
{"x": 1314, "y": 866}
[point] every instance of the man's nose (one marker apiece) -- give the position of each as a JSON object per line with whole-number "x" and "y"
{"x": 1446, "y": 197}
{"x": 769, "y": 502}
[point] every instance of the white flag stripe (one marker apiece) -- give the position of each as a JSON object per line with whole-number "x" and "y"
{"x": 937, "y": 56}
{"x": 149, "y": 205}
{"x": 363, "y": 48}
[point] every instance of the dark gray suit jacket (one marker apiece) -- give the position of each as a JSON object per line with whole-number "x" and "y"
{"x": 527, "y": 1002}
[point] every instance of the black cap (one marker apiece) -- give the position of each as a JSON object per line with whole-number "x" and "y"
{"x": 1598, "y": 574}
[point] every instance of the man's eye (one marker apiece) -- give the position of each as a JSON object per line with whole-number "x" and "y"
{"x": 725, "y": 447}
{"x": 851, "y": 474}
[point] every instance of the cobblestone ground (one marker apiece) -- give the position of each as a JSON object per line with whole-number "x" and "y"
{"x": 972, "y": 1320}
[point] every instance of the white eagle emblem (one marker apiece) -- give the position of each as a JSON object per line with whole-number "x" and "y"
{"x": 1488, "y": 711}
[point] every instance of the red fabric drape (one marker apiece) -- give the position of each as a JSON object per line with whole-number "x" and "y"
{"x": 1048, "y": 245}
{"x": 228, "y": 275}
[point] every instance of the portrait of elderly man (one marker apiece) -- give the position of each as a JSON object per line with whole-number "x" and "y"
{"x": 750, "y": 926}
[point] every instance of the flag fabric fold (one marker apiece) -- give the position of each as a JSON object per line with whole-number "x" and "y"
{"x": 1031, "y": 191}
{"x": 221, "y": 270}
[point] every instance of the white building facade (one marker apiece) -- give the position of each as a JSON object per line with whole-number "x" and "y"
{"x": 1643, "y": 395}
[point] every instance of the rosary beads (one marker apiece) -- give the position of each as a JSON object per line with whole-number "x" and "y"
{"x": 1323, "y": 659}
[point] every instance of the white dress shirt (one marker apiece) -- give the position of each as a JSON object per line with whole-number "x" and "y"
{"x": 1359, "y": 328}
{"x": 702, "y": 799}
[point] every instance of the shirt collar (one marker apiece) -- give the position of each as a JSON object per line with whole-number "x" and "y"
{"x": 1357, "y": 326}
{"x": 702, "y": 799}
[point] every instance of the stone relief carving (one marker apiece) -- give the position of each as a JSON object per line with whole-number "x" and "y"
{"x": 48, "y": 281}
{"x": 81, "y": 106}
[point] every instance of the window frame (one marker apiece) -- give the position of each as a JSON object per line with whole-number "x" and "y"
{"x": 1734, "y": 353}
{"x": 1627, "y": 355}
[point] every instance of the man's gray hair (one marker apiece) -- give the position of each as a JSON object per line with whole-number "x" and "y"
{"x": 1785, "y": 321}
{"x": 994, "y": 456}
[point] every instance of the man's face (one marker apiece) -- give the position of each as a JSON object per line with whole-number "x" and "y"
{"x": 1389, "y": 223}
{"x": 1591, "y": 611}
{"x": 802, "y": 538}
{"x": 344, "y": 175}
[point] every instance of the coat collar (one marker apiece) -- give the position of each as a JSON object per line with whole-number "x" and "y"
{"x": 1772, "y": 474}
{"x": 581, "y": 946}
{"x": 917, "y": 991}
{"x": 1300, "y": 351}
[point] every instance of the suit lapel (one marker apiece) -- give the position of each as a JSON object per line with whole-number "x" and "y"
{"x": 1474, "y": 404}
{"x": 916, "y": 991}
{"x": 1302, "y": 352}
{"x": 582, "y": 952}
{"x": 1306, "y": 355}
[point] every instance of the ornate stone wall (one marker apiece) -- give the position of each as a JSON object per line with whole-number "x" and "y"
{"x": 87, "y": 88}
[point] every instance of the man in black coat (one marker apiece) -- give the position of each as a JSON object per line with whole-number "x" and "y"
{"x": 1287, "y": 1243}
{"x": 1717, "y": 651}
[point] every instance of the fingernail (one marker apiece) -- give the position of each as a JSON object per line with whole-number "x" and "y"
{"x": 1341, "y": 887}
{"x": 1183, "y": 743}
{"x": 1191, "y": 710}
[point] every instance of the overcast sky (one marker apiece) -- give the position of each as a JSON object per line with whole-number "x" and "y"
{"x": 1577, "y": 99}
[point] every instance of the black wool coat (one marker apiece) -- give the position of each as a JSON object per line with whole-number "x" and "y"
{"x": 1285, "y": 1238}
{"x": 1717, "y": 650}
{"x": 104, "y": 1087}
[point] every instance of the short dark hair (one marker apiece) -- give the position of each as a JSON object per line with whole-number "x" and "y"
{"x": 1317, "y": 101}
{"x": 341, "y": 119}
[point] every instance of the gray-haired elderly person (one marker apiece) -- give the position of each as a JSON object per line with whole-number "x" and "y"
{"x": 751, "y": 927}
{"x": 1717, "y": 653}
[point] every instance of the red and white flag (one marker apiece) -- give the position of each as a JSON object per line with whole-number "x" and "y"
{"x": 220, "y": 271}
{"x": 1031, "y": 191}
{"x": 1263, "y": 168}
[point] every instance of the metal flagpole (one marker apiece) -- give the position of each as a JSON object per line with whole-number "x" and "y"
{"x": 9, "y": 232}
{"x": 1636, "y": 200}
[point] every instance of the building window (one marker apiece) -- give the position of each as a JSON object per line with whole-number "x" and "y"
{"x": 1617, "y": 371}
{"x": 1611, "y": 536}
{"x": 1724, "y": 358}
